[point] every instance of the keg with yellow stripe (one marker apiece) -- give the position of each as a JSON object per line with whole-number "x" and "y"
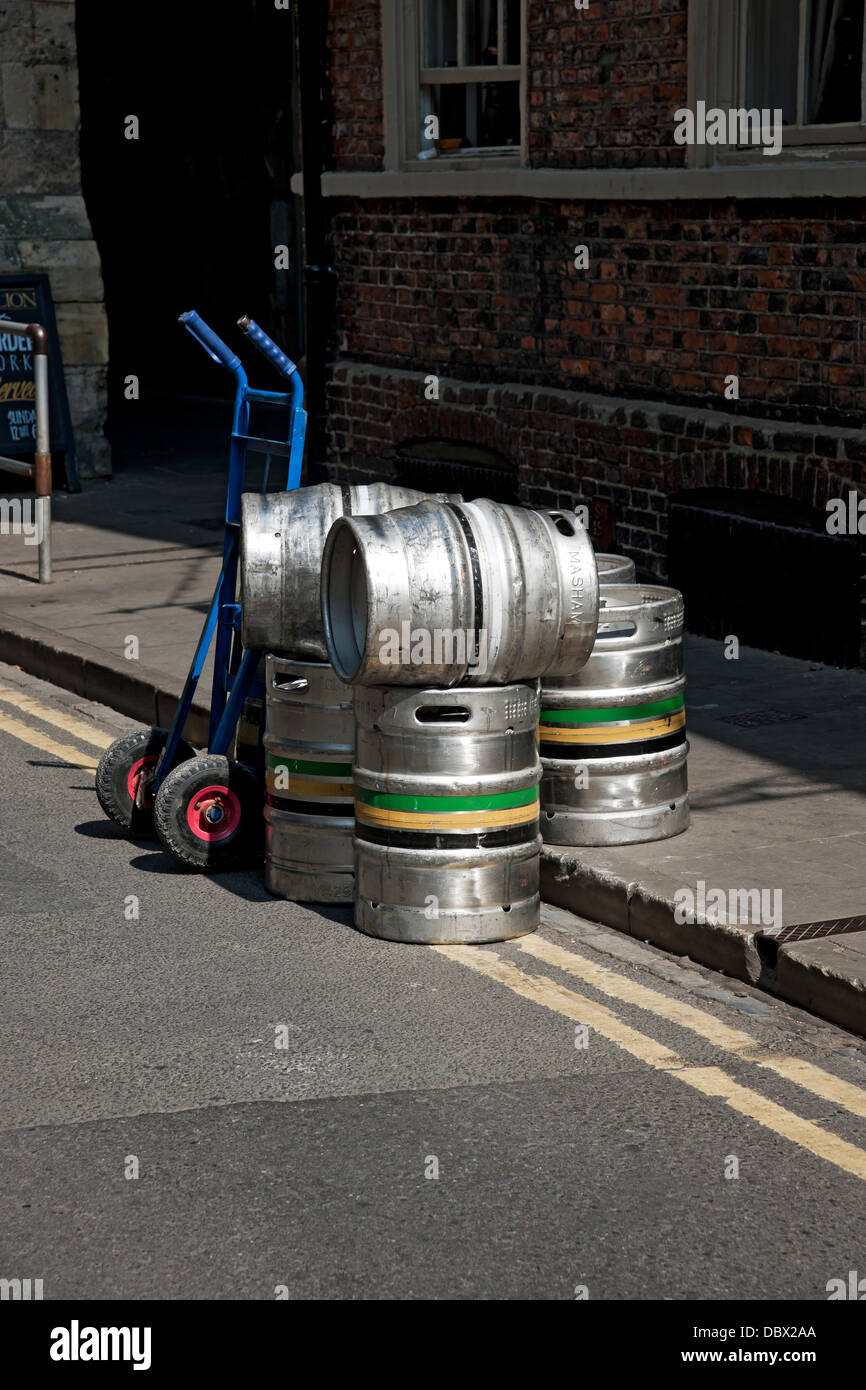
{"x": 446, "y": 813}
{"x": 309, "y": 744}
{"x": 613, "y": 738}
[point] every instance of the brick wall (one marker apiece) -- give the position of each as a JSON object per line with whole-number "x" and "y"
{"x": 43, "y": 221}
{"x": 355, "y": 43}
{"x": 676, "y": 298}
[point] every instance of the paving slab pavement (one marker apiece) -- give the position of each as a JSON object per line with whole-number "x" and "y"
{"x": 777, "y": 768}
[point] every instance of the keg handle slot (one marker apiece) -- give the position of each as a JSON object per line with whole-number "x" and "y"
{"x": 562, "y": 525}
{"x": 300, "y": 684}
{"x": 607, "y": 631}
{"x": 442, "y": 714}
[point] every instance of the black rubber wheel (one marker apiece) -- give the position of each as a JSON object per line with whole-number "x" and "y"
{"x": 123, "y": 765}
{"x": 208, "y": 814}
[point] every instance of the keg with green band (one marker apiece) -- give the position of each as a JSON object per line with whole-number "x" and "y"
{"x": 489, "y": 817}
{"x": 446, "y": 813}
{"x": 596, "y": 731}
{"x": 313, "y": 784}
{"x": 613, "y": 738}
{"x": 309, "y": 745}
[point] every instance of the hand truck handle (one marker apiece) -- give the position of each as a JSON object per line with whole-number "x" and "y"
{"x": 267, "y": 347}
{"x": 221, "y": 354}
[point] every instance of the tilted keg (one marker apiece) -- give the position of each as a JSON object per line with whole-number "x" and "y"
{"x": 612, "y": 738}
{"x": 446, "y": 813}
{"x": 447, "y": 593}
{"x": 309, "y": 744}
{"x": 614, "y": 569}
{"x": 281, "y": 542}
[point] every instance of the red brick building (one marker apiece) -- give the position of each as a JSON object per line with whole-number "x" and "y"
{"x": 696, "y": 374}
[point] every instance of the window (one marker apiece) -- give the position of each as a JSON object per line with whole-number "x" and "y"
{"x": 455, "y": 80}
{"x": 803, "y": 57}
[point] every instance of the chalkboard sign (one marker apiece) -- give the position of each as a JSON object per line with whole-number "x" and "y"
{"x": 27, "y": 299}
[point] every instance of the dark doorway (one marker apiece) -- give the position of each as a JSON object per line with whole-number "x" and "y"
{"x": 187, "y": 216}
{"x": 765, "y": 570}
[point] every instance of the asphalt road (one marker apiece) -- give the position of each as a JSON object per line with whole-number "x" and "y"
{"x": 148, "y": 1043}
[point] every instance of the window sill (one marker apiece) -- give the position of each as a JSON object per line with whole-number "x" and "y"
{"x": 767, "y": 179}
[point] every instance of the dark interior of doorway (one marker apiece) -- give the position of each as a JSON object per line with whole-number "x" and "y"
{"x": 764, "y": 569}
{"x": 188, "y": 215}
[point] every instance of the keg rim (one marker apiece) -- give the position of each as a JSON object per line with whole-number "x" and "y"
{"x": 343, "y": 585}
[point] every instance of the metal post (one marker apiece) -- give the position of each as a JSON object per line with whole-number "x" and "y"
{"x": 42, "y": 460}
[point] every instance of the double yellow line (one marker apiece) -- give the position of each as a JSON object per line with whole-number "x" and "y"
{"x": 26, "y": 733}
{"x": 709, "y": 1081}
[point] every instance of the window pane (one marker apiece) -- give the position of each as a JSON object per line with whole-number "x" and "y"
{"x": 440, "y": 33}
{"x": 772, "y": 56}
{"x": 474, "y": 115}
{"x": 498, "y": 113}
{"x": 512, "y": 31}
{"x": 834, "y": 63}
{"x": 482, "y": 39}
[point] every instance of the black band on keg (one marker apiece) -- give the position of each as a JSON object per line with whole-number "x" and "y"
{"x": 433, "y": 839}
{"x": 477, "y": 588}
{"x": 347, "y": 499}
{"x": 343, "y": 809}
{"x": 577, "y": 752}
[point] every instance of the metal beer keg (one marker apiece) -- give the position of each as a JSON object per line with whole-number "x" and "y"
{"x": 282, "y": 537}
{"x": 446, "y": 807}
{"x": 451, "y": 594}
{"x": 612, "y": 738}
{"x": 309, "y": 744}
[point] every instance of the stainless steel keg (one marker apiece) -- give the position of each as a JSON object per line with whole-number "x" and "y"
{"x": 309, "y": 745}
{"x": 281, "y": 542}
{"x": 613, "y": 740}
{"x": 446, "y": 813}
{"x": 449, "y": 594}
{"x": 614, "y": 569}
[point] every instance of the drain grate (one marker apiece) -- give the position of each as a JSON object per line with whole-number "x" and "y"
{"x": 811, "y": 931}
{"x": 758, "y": 718}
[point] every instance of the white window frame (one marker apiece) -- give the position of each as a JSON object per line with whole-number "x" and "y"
{"x": 718, "y": 31}
{"x": 403, "y": 77}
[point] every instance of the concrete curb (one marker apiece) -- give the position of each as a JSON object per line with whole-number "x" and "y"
{"x": 149, "y": 697}
{"x": 822, "y": 976}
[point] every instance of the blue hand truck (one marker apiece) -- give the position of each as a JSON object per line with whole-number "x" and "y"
{"x": 206, "y": 808}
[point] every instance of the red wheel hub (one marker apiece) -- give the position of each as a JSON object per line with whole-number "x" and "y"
{"x": 142, "y": 770}
{"x": 214, "y": 814}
